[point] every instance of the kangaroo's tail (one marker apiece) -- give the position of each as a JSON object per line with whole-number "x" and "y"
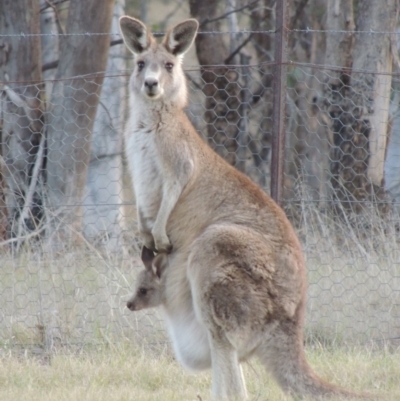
{"x": 283, "y": 355}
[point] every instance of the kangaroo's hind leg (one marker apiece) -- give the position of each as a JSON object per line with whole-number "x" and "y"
{"x": 241, "y": 287}
{"x": 227, "y": 376}
{"x": 225, "y": 277}
{"x": 216, "y": 308}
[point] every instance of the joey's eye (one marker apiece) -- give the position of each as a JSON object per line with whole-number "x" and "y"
{"x": 142, "y": 291}
{"x": 169, "y": 66}
{"x": 140, "y": 65}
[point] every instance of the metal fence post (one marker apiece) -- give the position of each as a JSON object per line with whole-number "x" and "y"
{"x": 279, "y": 102}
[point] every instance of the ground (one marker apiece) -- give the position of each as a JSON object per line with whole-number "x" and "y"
{"x": 123, "y": 371}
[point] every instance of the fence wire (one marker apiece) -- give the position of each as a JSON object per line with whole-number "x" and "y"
{"x": 69, "y": 245}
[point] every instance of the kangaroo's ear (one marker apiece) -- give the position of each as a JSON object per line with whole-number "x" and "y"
{"x": 179, "y": 39}
{"x": 147, "y": 256}
{"x": 160, "y": 262}
{"x": 136, "y": 35}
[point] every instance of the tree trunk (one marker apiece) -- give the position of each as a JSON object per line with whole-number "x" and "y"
{"x": 307, "y": 156}
{"x": 392, "y": 162}
{"x": 262, "y": 18}
{"x": 3, "y": 205}
{"x": 392, "y": 165}
{"x": 50, "y": 45}
{"x": 360, "y": 107}
{"x": 103, "y": 194}
{"x": 220, "y": 87}
{"x": 20, "y": 62}
{"x": 373, "y": 52}
{"x": 336, "y": 89}
{"x": 73, "y": 106}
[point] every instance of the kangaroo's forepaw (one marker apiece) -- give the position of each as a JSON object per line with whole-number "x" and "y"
{"x": 162, "y": 244}
{"x": 148, "y": 241}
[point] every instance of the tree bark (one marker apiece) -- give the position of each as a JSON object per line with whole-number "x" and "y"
{"x": 358, "y": 103}
{"x": 20, "y": 70}
{"x": 3, "y": 205}
{"x": 392, "y": 163}
{"x": 373, "y": 52}
{"x": 262, "y": 18}
{"x": 74, "y": 102}
{"x": 102, "y": 219}
{"x": 50, "y": 45}
{"x": 307, "y": 156}
{"x": 220, "y": 84}
{"x": 336, "y": 89}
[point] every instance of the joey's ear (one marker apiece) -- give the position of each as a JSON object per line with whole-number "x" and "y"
{"x": 160, "y": 262}
{"x": 179, "y": 39}
{"x": 136, "y": 35}
{"x": 147, "y": 256}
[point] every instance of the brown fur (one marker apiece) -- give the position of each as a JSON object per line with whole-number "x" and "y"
{"x": 235, "y": 284}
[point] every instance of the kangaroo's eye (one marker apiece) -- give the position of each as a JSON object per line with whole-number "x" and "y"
{"x": 140, "y": 65}
{"x": 169, "y": 66}
{"x": 142, "y": 291}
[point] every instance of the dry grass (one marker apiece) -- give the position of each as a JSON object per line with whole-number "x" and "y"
{"x": 126, "y": 372}
{"x": 353, "y": 265}
{"x": 71, "y": 298}
{"x": 79, "y": 295}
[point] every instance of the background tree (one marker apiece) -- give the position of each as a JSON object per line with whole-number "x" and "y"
{"x": 60, "y": 137}
{"x": 219, "y": 84}
{"x": 307, "y": 146}
{"x": 22, "y": 111}
{"x": 262, "y": 19}
{"x": 358, "y": 98}
{"x": 73, "y": 106}
{"x": 50, "y": 26}
{"x": 3, "y": 205}
{"x": 102, "y": 215}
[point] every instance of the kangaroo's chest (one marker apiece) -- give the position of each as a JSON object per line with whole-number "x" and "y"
{"x": 146, "y": 171}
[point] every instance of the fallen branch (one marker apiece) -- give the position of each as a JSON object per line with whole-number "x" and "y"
{"x": 31, "y": 190}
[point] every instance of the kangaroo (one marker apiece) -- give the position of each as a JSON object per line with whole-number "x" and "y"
{"x": 235, "y": 284}
{"x": 191, "y": 345}
{"x": 150, "y": 290}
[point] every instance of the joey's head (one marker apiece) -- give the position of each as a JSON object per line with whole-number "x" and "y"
{"x": 158, "y": 73}
{"x": 149, "y": 291}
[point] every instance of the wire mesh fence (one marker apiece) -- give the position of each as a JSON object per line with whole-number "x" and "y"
{"x": 69, "y": 249}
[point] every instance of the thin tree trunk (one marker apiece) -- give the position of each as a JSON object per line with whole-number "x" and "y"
{"x": 392, "y": 165}
{"x": 373, "y": 52}
{"x": 74, "y": 103}
{"x": 50, "y": 44}
{"x": 339, "y": 47}
{"x": 20, "y": 62}
{"x": 233, "y": 27}
{"x": 308, "y": 156}
{"x": 103, "y": 194}
{"x": 3, "y": 205}
{"x": 262, "y": 18}
{"x": 243, "y": 125}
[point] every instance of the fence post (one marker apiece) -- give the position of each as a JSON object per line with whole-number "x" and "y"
{"x": 279, "y": 102}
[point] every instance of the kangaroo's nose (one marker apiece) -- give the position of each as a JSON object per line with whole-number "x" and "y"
{"x": 130, "y": 305}
{"x": 150, "y": 83}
